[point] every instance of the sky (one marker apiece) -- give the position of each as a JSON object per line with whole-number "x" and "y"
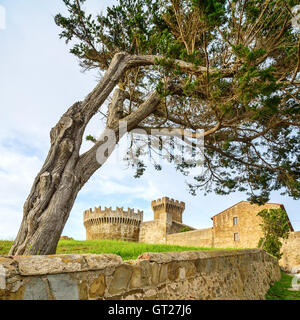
{"x": 39, "y": 80}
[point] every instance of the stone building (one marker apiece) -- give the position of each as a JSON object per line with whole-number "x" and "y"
{"x": 235, "y": 227}
{"x": 239, "y": 225}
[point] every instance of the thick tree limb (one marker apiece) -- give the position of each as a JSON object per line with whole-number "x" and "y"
{"x": 88, "y": 163}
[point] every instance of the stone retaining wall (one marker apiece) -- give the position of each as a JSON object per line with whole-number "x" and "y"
{"x": 239, "y": 274}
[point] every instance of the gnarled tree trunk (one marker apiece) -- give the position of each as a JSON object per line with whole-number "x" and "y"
{"x": 65, "y": 171}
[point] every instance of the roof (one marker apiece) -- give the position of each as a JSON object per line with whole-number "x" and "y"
{"x": 278, "y": 204}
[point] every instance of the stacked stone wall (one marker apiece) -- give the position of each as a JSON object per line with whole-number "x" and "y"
{"x": 241, "y": 274}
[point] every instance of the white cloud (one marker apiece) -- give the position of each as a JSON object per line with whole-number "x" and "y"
{"x": 10, "y": 222}
{"x": 17, "y": 172}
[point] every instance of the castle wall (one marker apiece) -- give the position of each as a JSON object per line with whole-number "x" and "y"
{"x": 210, "y": 275}
{"x": 113, "y": 231}
{"x": 112, "y": 224}
{"x": 248, "y": 226}
{"x": 153, "y": 232}
{"x": 196, "y": 238}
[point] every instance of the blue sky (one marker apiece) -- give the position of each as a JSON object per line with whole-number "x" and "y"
{"x": 39, "y": 80}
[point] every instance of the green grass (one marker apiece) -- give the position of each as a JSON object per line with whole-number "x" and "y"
{"x": 4, "y": 247}
{"x": 279, "y": 291}
{"x": 127, "y": 250}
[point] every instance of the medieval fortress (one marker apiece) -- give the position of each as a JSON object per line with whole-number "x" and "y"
{"x": 192, "y": 275}
{"x": 235, "y": 227}
{"x": 129, "y": 226}
{"x": 113, "y": 224}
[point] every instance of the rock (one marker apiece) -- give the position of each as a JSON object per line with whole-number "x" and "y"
{"x": 63, "y": 287}
{"x": 97, "y": 288}
{"x": 141, "y": 276}
{"x": 41, "y": 265}
{"x": 155, "y": 273}
{"x": 101, "y": 261}
{"x": 163, "y": 274}
{"x": 83, "y": 290}
{"x": 57, "y": 264}
{"x": 121, "y": 279}
{"x": 36, "y": 290}
{"x": 150, "y": 294}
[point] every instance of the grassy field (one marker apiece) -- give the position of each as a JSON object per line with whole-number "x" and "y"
{"x": 127, "y": 250}
{"x": 280, "y": 290}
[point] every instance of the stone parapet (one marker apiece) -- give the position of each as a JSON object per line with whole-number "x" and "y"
{"x": 235, "y": 274}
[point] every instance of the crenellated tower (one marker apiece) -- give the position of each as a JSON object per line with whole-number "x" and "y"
{"x": 120, "y": 224}
{"x": 166, "y": 208}
{"x": 112, "y": 224}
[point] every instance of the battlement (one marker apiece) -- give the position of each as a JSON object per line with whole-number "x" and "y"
{"x": 168, "y": 205}
{"x": 169, "y": 201}
{"x": 109, "y": 212}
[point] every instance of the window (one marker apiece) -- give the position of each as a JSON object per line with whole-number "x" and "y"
{"x": 236, "y": 237}
{"x": 235, "y": 221}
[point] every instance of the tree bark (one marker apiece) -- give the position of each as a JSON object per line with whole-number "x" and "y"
{"x": 65, "y": 171}
{"x": 54, "y": 189}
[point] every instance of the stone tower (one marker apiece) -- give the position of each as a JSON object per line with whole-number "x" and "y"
{"x": 167, "y": 209}
{"x": 112, "y": 224}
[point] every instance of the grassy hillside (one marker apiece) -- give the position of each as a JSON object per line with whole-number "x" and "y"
{"x": 127, "y": 250}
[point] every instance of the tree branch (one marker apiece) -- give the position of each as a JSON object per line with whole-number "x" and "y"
{"x": 88, "y": 163}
